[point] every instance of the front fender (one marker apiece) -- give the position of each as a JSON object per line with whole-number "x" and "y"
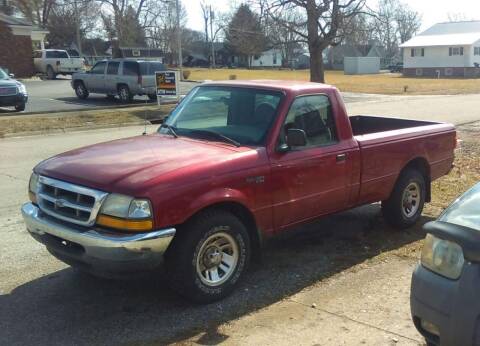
{"x": 217, "y": 196}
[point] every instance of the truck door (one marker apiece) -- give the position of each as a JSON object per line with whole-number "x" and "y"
{"x": 96, "y": 78}
{"x": 311, "y": 180}
{"x": 111, "y": 77}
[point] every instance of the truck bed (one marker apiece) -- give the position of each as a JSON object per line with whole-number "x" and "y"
{"x": 364, "y": 124}
{"x": 387, "y": 144}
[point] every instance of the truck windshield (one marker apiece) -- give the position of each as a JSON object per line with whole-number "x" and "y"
{"x": 243, "y": 115}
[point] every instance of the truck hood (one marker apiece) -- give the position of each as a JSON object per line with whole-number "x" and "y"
{"x": 131, "y": 165}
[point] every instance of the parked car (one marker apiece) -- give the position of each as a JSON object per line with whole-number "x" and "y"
{"x": 444, "y": 293}
{"x": 235, "y": 163}
{"x": 123, "y": 77}
{"x": 12, "y": 92}
{"x": 398, "y": 67}
{"x": 53, "y": 62}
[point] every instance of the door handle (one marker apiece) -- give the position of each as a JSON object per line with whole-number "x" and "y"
{"x": 341, "y": 157}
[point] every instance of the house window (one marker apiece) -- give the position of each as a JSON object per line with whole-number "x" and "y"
{"x": 476, "y": 51}
{"x": 417, "y": 52}
{"x": 135, "y": 52}
{"x": 455, "y": 51}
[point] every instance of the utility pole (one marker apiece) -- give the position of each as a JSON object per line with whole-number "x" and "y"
{"x": 179, "y": 38}
{"x": 77, "y": 28}
{"x": 212, "y": 17}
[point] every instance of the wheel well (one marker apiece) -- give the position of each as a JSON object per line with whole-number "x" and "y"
{"x": 77, "y": 82}
{"x": 246, "y": 217}
{"x": 120, "y": 85}
{"x": 421, "y": 165}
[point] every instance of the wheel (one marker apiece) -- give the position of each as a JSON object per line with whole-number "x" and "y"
{"x": 208, "y": 257}
{"x": 152, "y": 97}
{"x": 81, "y": 91}
{"x": 405, "y": 205}
{"x": 20, "y": 107}
{"x": 51, "y": 73}
{"x": 124, "y": 94}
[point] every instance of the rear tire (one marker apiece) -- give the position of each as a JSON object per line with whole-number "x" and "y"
{"x": 124, "y": 94}
{"x": 20, "y": 107}
{"x": 81, "y": 91}
{"x": 208, "y": 257}
{"x": 404, "y": 206}
{"x": 152, "y": 97}
{"x": 51, "y": 73}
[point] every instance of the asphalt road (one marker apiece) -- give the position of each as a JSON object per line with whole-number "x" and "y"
{"x": 58, "y": 95}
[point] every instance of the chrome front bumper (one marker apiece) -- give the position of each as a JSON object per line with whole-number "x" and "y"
{"x": 95, "y": 249}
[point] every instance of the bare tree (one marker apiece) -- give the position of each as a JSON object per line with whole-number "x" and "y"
{"x": 206, "y": 19}
{"x": 408, "y": 23}
{"x": 319, "y": 26}
{"x": 37, "y": 11}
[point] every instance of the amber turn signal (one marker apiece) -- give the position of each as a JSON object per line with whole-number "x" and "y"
{"x": 125, "y": 224}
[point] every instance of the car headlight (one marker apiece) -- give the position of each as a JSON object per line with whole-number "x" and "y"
{"x": 33, "y": 187}
{"x": 442, "y": 257}
{"x": 21, "y": 88}
{"x": 126, "y": 213}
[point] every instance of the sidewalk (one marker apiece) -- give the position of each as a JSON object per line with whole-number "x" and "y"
{"x": 364, "y": 305}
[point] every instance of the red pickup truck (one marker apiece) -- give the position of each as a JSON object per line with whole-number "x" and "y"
{"x": 234, "y": 163}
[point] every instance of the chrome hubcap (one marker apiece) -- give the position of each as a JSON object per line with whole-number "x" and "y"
{"x": 217, "y": 259}
{"x": 411, "y": 199}
{"x": 80, "y": 90}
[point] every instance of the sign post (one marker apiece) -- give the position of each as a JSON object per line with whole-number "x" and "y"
{"x": 167, "y": 84}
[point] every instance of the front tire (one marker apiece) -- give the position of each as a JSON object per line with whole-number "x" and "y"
{"x": 20, "y": 107}
{"x": 208, "y": 258}
{"x": 51, "y": 73}
{"x": 405, "y": 205}
{"x": 124, "y": 94}
{"x": 81, "y": 91}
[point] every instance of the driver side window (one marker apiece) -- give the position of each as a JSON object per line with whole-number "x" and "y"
{"x": 312, "y": 114}
{"x": 98, "y": 68}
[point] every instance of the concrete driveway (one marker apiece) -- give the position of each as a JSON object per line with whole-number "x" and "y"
{"x": 58, "y": 95}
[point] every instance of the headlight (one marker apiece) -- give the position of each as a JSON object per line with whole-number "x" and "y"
{"x": 22, "y": 89}
{"x": 33, "y": 187}
{"x": 126, "y": 213}
{"x": 443, "y": 257}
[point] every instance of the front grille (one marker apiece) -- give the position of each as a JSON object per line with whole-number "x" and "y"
{"x": 8, "y": 91}
{"x": 69, "y": 202}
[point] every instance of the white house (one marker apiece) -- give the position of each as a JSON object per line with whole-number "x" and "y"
{"x": 269, "y": 58}
{"x": 445, "y": 49}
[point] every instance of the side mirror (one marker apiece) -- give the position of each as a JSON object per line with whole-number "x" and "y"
{"x": 295, "y": 138}
{"x": 11, "y": 75}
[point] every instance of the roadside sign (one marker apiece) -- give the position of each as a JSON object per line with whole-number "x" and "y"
{"x": 167, "y": 84}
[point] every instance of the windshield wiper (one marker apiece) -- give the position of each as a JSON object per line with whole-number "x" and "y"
{"x": 170, "y": 128}
{"x": 217, "y": 135}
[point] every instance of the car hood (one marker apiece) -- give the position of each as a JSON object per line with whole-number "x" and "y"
{"x": 8, "y": 83}
{"x": 133, "y": 165}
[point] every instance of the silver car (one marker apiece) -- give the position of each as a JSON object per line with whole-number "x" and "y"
{"x": 123, "y": 77}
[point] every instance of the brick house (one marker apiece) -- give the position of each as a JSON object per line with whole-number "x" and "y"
{"x": 18, "y": 38}
{"x": 444, "y": 50}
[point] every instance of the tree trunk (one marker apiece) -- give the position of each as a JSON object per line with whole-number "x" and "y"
{"x": 316, "y": 65}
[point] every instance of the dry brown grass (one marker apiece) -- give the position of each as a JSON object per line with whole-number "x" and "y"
{"x": 10, "y": 125}
{"x": 385, "y": 83}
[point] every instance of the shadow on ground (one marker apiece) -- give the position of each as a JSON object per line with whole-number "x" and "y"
{"x": 68, "y": 307}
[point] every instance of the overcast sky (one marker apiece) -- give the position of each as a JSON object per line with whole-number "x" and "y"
{"x": 433, "y": 11}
